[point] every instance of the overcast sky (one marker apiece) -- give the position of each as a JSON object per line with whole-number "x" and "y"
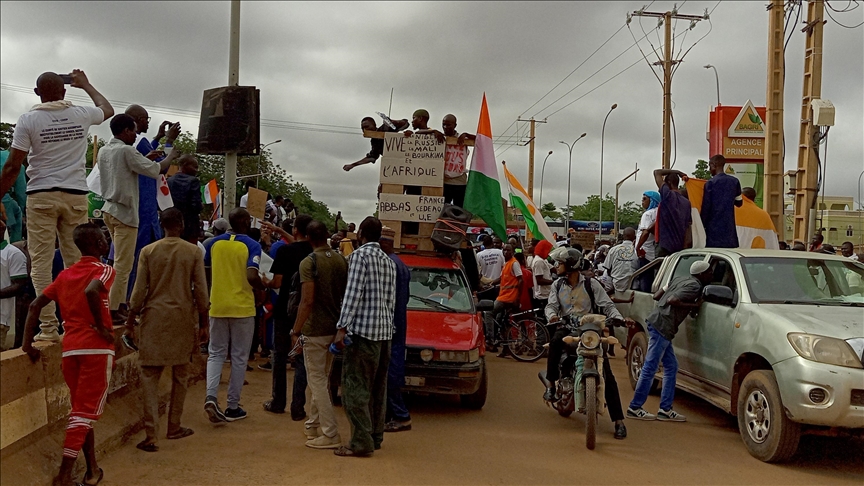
{"x": 333, "y": 63}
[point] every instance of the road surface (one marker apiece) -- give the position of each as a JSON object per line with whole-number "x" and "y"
{"x": 515, "y": 439}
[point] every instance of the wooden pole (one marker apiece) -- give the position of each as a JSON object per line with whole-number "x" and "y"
{"x": 807, "y": 177}
{"x": 531, "y": 161}
{"x": 95, "y": 150}
{"x": 773, "y": 185}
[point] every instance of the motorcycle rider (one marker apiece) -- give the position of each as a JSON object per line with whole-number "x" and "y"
{"x": 574, "y": 295}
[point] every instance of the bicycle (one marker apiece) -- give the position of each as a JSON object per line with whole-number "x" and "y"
{"x": 525, "y": 336}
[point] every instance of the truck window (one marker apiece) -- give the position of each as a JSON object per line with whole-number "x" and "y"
{"x": 682, "y": 268}
{"x": 438, "y": 289}
{"x": 723, "y": 273}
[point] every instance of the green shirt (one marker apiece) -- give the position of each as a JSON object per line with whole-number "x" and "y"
{"x": 329, "y": 271}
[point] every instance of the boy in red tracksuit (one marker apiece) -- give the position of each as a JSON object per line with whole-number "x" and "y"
{"x": 88, "y": 345}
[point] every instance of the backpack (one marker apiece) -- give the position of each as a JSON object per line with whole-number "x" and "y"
{"x": 294, "y": 292}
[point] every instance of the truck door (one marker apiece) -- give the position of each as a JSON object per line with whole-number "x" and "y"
{"x": 680, "y": 343}
{"x": 709, "y": 338}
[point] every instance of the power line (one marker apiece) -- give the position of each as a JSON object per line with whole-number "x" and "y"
{"x": 828, "y": 11}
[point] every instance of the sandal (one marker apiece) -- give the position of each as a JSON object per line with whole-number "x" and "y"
{"x": 147, "y": 446}
{"x": 181, "y": 433}
{"x": 98, "y": 480}
{"x": 343, "y": 451}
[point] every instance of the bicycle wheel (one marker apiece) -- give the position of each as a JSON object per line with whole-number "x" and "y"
{"x": 526, "y": 340}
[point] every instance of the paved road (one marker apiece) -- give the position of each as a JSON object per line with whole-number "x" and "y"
{"x": 515, "y": 439}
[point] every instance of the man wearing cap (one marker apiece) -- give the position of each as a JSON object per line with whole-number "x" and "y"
{"x": 676, "y": 300}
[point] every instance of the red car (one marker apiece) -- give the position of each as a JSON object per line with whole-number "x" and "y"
{"x": 445, "y": 347}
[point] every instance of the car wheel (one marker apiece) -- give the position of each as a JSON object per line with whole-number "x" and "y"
{"x": 476, "y": 400}
{"x": 637, "y": 350}
{"x": 766, "y": 431}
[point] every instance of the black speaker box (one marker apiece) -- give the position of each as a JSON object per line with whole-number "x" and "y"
{"x": 230, "y": 118}
{"x": 449, "y": 231}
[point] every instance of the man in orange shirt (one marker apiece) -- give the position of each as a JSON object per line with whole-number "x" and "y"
{"x": 511, "y": 290}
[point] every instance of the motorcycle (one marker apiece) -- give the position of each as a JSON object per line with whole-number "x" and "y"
{"x": 580, "y": 387}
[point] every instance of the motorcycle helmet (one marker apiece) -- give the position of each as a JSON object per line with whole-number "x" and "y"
{"x": 570, "y": 257}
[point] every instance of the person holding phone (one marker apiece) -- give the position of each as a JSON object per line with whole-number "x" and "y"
{"x": 52, "y": 136}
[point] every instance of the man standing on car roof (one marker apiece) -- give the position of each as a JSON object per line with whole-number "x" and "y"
{"x": 676, "y": 300}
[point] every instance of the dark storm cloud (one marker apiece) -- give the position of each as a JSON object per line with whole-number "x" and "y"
{"x": 333, "y": 63}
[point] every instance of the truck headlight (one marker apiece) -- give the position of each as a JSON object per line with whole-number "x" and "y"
{"x": 453, "y": 356}
{"x": 473, "y": 355}
{"x": 823, "y": 349}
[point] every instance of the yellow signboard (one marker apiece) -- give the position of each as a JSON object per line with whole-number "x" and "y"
{"x": 748, "y": 123}
{"x": 744, "y": 148}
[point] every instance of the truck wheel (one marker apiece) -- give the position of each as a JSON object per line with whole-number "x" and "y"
{"x": 476, "y": 400}
{"x": 637, "y": 350}
{"x": 590, "y": 412}
{"x": 766, "y": 431}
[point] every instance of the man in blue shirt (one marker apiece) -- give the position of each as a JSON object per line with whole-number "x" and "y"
{"x": 722, "y": 195}
{"x": 148, "y": 209}
{"x": 397, "y": 418}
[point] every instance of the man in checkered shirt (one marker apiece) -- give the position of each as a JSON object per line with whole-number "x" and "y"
{"x": 367, "y": 316}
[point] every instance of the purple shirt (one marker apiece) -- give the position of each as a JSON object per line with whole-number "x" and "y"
{"x": 673, "y": 219}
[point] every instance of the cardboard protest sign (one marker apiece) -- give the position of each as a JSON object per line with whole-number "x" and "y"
{"x": 256, "y": 202}
{"x": 398, "y": 207}
{"x": 417, "y": 160}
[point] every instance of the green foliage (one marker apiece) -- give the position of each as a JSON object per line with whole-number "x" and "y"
{"x": 702, "y": 171}
{"x": 629, "y": 213}
{"x": 549, "y": 210}
{"x": 6, "y": 130}
{"x": 275, "y": 180}
{"x": 89, "y": 160}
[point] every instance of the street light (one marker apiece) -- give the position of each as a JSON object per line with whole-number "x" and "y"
{"x": 602, "y": 137}
{"x": 569, "y": 168}
{"x": 541, "y": 177}
{"x": 617, "y": 187}
{"x": 260, "y": 152}
{"x": 716, "y": 78}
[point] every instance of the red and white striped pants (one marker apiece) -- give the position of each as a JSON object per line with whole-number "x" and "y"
{"x": 87, "y": 376}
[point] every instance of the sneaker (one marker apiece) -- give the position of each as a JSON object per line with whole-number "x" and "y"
{"x": 233, "y": 414}
{"x": 640, "y": 414}
{"x": 268, "y": 366}
{"x": 324, "y": 442}
{"x": 396, "y": 426}
{"x": 312, "y": 432}
{"x": 213, "y": 412}
{"x": 670, "y": 416}
{"x": 51, "y": 336}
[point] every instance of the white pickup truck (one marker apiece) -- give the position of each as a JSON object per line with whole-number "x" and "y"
{"x": 778, "y": 342}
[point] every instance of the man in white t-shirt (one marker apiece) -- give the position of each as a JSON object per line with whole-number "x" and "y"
{"x": 54, "y": 134}
{"x": 491, "y": 261}
{"x": 542, "y": 271}
{"x": 13, "y": 278}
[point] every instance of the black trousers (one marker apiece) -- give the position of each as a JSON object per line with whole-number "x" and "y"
{"x": 281, "y": 347}
{"x": 553, "y": 373}
{"x": 454, "y": 194}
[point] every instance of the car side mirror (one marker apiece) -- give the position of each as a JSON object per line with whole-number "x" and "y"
{"x": 485, "y": 305}
{"x": 718, "y": 294}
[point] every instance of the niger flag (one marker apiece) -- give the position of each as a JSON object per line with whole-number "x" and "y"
{"x": 754, "y": 225}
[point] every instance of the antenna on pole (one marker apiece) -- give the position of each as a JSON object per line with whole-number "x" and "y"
{"x": 391, "y": 103}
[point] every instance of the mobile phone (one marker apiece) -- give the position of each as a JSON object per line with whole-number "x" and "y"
{"x": 129, "y": 343}
{"x": 67, "y": 78}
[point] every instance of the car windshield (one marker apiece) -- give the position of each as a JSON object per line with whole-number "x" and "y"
{"x": 439, "y": 289}
{"x": 804, "y": 281}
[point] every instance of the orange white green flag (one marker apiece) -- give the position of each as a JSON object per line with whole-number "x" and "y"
{"x": 753, "y": 224}
{"x": 483, "y": 192}
{"x": 533, "y": 219}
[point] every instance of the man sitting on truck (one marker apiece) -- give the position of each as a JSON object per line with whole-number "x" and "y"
{"x": 575, "y": 296}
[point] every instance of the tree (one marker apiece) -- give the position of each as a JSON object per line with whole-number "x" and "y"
{"x": 702, "y": 171}
{"x": 628, "y": 214}
{"x": 6, "y": 130}
{"x": 550, "y": 211}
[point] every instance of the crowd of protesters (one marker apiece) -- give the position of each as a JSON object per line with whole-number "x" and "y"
{"x": 284, "y": 287}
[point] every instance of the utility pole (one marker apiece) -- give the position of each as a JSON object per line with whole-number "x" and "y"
{"x": 808, "y": 162}
{"x": 667, "y": 64}
{"x": 773, "y": 185}
{"x": 532, "y": 121}
{"x": 230, "y": 176}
